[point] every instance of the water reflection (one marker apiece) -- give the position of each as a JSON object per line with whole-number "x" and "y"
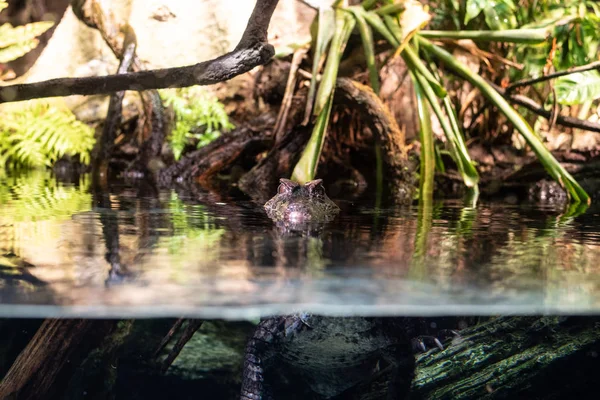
{"x": 123, "y": 251}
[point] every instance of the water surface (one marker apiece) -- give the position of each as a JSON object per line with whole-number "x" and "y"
{"x": 69, "y": 250}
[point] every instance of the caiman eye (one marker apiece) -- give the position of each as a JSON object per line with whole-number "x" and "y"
{"x": 283, "y": 189}
{"x": 318, "y": 190}
{"x": 315, "y": 187}
{"x": 286, "y": 186}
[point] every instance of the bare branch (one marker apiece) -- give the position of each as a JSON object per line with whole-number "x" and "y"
{"x": 252, "y": 50}
{"x": 536, "y": 108}
{"x": 529, "y": 82}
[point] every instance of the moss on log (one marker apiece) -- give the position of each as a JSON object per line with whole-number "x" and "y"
{"x": 514, "y": 357}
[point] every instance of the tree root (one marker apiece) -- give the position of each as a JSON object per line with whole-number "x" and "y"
{"x": 201, "y": 165}
{"x": 386, "y": 132}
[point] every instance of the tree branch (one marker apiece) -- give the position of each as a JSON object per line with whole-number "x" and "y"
{"x": 529, "y": 82}
{"x": 252, "y": 50}
{"x": 536, "y": 108}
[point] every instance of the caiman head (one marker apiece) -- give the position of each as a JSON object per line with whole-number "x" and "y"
{"x": 301, "y": 204}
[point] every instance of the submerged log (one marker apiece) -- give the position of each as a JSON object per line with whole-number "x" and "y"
{"x": 57, "y": 347}
{"x": 510, "y": 357}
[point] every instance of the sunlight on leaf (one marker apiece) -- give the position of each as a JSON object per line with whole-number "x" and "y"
{"x": 578, "y": 88}
{"x": 473, "y": 9}
{"x": 500, "y": 14}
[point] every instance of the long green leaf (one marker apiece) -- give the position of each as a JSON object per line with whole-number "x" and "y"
{"x": 368, "y": 4}
{"x": 469, "y": 175}
{"x": 377, "y": 23}
{"x": 17, "y": 50}
{"x": 414, "y": 62}
{"x": 306, "y": 168}
{"x": 456, "y": 140}
{"x": 427, "y": 170}
{"x": 325, "y": 31}
{"x": 344, "y": 24}
{"x": 554, "y": 168}
{"x": 527, "y": 36}
{"x": 390, "y": 9}
{"x": 578, "y": 88}
{"x": 367, "y": 40}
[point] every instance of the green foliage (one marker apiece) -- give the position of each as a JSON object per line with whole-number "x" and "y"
{"x": 199, "y": 118}
{"x": 427, "y": 143}
{"x": 38, "y": 134}
{"x": 552, "y": 166}
{"x": 499, "y": 14}
{"x": 578, "y": 88}
{"x": 18, "y": 41}
{"x": 575, "y": 27}
{"x": 344, "y": 24}
{"x": 400, "y": 24}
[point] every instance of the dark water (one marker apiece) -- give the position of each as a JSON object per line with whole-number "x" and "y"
{"x": 137, "y": 252}
{"x": 71, "y": 250}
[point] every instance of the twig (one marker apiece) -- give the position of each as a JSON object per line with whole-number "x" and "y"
{"x": 188, "y": 332}
{"x": 536, "y": 108}
{"x": 168, "y": 337}
{"x": 252, "y": 50}
{"x": 289, "y": 93}
{"x": 529, "y": 82}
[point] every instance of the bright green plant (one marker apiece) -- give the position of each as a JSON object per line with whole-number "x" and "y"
{"x": 37, "y": 134}
{"x": 574, "y": 27}
{"x": 400, "y": 23}
{"x": 199, "y": 118}
{"x": 18, "y": 41}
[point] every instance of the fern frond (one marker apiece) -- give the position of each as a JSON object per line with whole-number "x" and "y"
{"x": 39, "y": 134}
{"x": 17, "y": 41}
{"x": 17, "y": 50}
{"x": 15, "y": 35}
{"x": 199, "y": 117}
